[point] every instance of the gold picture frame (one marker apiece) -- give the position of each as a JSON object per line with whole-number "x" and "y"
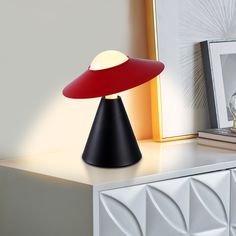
{"x": 156, "y": 106}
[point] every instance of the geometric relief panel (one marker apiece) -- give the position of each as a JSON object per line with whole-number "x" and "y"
{"x": 122, "y": 212}
{"x": 233, "y": 204}
{"x": 168, "y": 207}
{"x": 209, "y": 204}
{"x": 189, "y": 206}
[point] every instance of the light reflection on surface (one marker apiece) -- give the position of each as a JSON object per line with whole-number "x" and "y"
{"x": 157, "y": 159}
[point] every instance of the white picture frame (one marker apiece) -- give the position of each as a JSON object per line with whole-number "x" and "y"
{"x": 219, "y": 59}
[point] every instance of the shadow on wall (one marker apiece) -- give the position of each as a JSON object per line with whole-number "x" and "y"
{"x": 44, "y": 45}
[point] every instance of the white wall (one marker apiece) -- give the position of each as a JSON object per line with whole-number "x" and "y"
{"x": 44, "y": 44}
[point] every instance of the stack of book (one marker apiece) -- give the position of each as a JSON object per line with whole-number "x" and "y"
{"x": 221, "y": 138}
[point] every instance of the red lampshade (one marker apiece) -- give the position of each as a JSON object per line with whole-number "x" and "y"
{"x": 98, "y": 83}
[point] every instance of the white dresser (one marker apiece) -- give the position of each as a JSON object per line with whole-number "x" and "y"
{"x": 177, "y": 189}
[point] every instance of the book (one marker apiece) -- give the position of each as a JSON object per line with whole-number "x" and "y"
{"x": 224, "y": 134}
{"x": 217, "y": 144}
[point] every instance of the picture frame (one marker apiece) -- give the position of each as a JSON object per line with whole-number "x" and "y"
{"x": 178, "y": 96}
{"x": 219, "y": 59}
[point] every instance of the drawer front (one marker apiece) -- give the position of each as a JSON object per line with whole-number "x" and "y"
{"x": 197, "y": 205}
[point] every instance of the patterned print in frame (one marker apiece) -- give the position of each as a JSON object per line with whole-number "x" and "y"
{"x": 175, "y": 30}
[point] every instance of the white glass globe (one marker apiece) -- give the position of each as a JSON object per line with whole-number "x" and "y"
{"x": 108, "y": 59}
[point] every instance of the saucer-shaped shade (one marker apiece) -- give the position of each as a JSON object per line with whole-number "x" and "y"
{"x": 98, "y": 83}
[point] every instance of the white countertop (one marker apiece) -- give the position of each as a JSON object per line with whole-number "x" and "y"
{"x": 160, "y": 161}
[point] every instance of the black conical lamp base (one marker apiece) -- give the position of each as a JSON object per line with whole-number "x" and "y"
{"x": 111, "y": 142}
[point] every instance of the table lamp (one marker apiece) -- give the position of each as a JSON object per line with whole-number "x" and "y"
{"x": 111, "y": 142}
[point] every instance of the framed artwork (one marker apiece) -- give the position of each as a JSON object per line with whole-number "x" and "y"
{"x": 219, "y": 59}
{"x": 175, "y": 31}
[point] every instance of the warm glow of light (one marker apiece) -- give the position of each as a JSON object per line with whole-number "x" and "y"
{"x": 112, "y": 96}
{"x": 108, "y": 59}
{"x": 55, "y": 127}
